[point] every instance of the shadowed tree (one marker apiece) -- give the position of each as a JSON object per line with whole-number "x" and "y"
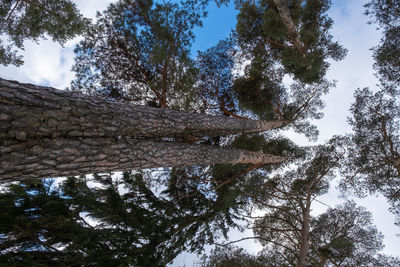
{"x": 287, "y": 199}
{"x": 22, "y": 20}
{"x": 345, "y": 236}
{"x": 139, "y": 52}
{"x": 373, "y": 160}
{"x": 295, "y": 33}
{"x": 387, "y": 54}
{"x": 342, "y": 236}
{"x": 106, "y": 221}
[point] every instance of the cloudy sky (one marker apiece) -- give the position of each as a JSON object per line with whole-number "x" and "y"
{"x": 48, "y": 63}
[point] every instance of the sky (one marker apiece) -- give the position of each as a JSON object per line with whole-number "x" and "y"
{"x": 48, "y": 63}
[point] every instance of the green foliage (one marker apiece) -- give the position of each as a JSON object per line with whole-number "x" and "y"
{"x": 108, "y": 222}
{"x": 138, "y": 51}
{"x": 374, "y": 148}
{"x": 387, "y": 14}
{"x": 345, "y": 235}
{"x": 229, "y": 256}
{"x": 260, "y": 25}
{"x": 215, "y": 79}
{"x": 33, "y": 20}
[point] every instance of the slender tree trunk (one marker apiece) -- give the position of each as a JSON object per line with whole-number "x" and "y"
{"x": 283, "y": 10}
{"x": 304, "y": 241}
{"x": 28, "y": 111}
{"x": 50, "y": 157}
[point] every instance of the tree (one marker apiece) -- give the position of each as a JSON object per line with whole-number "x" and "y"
{"x": 31, "y": 19}
{"x": 287, "y": 200}
{"x": 231, "y": 256}
{"x": 46, "y": 132}
{"x": 139, "y": 51}
{"x": 342, "y": 236}
{"x": 108, "y": 221}
{"x": 387, "y": 15}
{"x": 345, "y": 236}
{"x": 373, "y": 160}
{"x": 294, "y": 33}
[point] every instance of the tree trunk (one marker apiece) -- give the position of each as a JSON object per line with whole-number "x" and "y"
{"x": 49, "y": 157}
{"x": 304, "y": 240}
{"x": 283, "y": 10}
{"x": 46, "y": 132}
{"x": 28, "y": 111}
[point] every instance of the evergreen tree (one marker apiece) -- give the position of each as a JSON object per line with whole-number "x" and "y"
{"x": 106, "y": 221}
{"x": 342, "y": 236}
{"x": 287, "y": 200}
{"x": 387, "y": 14}
{"x": 24, "y": 20}
{"x": 47, "y": 132}
{"x": 345, "y": 236}
{"x": 373, "y": 160}
{"x": 139, "y": 52}
{"x": 296, "y": 33}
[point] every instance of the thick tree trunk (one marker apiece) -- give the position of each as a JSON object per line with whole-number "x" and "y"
{"x": 304, "y": 240}
{"x": 283, "y": 10}
{"x": 49, "y": 157}
{"x": 28, "y": 111}
{"x": 46, "y": 132}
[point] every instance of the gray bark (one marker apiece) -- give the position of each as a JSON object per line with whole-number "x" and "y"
{"x": 49, "y": 157}
{"x": 284, "y": 13}
{"x": 28, "y": 111}
{"x": 46, "y": 132}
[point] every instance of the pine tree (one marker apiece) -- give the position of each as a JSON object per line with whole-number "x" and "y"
{"x": 46, "y": 132}
{"x": 387, "y": 14}
{"x": 373, "y": 161}
{"x": 342, "y": 236}
{"x": 139, "y": 51}
{"x": 31, "y": 19}
{"x": 288, "y": 197}
{"x": 295, "y": 33}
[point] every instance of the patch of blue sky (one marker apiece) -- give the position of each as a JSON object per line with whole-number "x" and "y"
{"x": 217, "y": 26}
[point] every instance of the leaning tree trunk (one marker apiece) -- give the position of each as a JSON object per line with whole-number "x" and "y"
{"x": 46, "y": 132}
{"x": 28, "y": 111}
{"x": 65, "y": 156}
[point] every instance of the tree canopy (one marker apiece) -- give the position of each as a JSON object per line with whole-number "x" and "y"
{"x": 270, "y": 73}
{"x": 35, "y": 19}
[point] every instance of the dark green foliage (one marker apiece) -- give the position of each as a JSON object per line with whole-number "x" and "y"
{"x": 345, "y": 236}
{"x": 229, "y": 256}
{"x": 342, "y": 236}
{"x": 139, "y": 52}
{"x": 112, "y": 222}
{"x": 215, "y": 67}
{"x": 387, "y": 14}
{"x": 373, "y": 161}
{"x": 384, "y": 12}
{"x": 32, "y": 19}
{"x": 260, "y": 25}
{"x": 387, "y": 57}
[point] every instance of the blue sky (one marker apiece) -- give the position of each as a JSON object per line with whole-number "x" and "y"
{"x": 217, "y": 25}
{"x": 48, "y": 63}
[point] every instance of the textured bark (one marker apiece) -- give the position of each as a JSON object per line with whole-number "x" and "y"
{"x": 46, "y": 132}
{"x": 304, "y": 239}
{"x": 283, "y": 10}
{"x": 50, "y": 157}
{"x": 28, "y": 111}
